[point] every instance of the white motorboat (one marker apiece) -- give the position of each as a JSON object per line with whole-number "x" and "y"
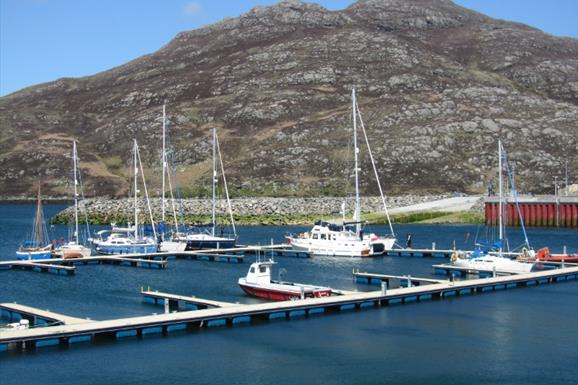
{"x": 340, "y": 239}
{"x": 258, "y": 283}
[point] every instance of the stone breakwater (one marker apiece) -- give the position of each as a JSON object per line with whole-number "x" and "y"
{"x": 100, "y": 209}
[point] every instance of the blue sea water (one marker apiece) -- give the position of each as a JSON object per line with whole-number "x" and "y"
{"x": 518, "y": 336}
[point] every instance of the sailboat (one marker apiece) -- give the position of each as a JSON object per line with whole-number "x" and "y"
{"x": 38, "y": 246}
{"x": 125, "y": 240}
{"x": 206, "y": 236}
{"x": 480, "y": 260}
{"x": 347, "y": 238}
{"x": 167, "y": 244}
{"x": 73, "y": 248}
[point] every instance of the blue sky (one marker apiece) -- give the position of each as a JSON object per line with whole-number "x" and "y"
{"x": 43, "y": 40}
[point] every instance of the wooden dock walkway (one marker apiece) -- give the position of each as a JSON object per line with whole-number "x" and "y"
{"x": 247, "y": 313}
{"x": 150, "y": 260}
{"x": 43, "y": 266}
{"x": 37, "y": 317}
{"x": 436, "y": 253}
{"x": 68, "y": 266}
{"x": 174, "y": 300}
{"x": 404, "y": 280}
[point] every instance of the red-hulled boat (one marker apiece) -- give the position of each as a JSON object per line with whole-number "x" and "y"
{"x": 258, "y": 283}
{"x": 544, "y": 255}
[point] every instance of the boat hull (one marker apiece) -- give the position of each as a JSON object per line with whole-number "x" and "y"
{"x": 172, "y": 246}
{"x": 29, "y": 254}
{"x": 560, "y": 258}
{"x": 71, "y": 251}
{"x": 275, "y": 294}
{"x": 125, "y": 249}
{"x": 198, "y": 244}
{"x": 488, "y": 263}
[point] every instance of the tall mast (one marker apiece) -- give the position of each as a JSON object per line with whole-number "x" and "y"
{"x": 357, "y": 214}
{"x": 164, "y": 165}
{"x": 214, "y": 177}
{"x": 135, "y": 165}
{"x": 74, "y": 164}
{"x": 225, "y": 186}
{"x": 500, "y": 208}
{"x": 38, "y": 228}
{"x": 374, "y": 171}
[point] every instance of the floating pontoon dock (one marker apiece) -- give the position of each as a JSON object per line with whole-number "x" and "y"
{"x": 248, "y": 313}
{"x": 67, "y": 266}
{"x": 149, "y": 260}
{"x": 174, "y": 300}
{"x": 15, "y": 312}
{"x": 404, "y": 280}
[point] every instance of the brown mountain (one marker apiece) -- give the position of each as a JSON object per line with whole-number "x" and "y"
{"x": 437, "y": 86}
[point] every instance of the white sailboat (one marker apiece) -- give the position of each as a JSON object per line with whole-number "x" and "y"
{"x": 347, "y": 238}
{"x": 128, "y": 240}
{"x": 73, "y": 248}
{"x": 38, "y": 246}
{"x": 206, "y": 237}
{"x": 484, "y": 260}
{"x": 168, "y": 244}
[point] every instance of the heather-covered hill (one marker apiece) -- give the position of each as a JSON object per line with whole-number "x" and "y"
{"x": 437, "y": 86}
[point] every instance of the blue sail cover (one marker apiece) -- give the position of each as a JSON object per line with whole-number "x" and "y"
{"x": 492, "y": 245}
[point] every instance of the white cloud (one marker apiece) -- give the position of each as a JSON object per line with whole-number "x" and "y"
{"x": 192, "y": 9}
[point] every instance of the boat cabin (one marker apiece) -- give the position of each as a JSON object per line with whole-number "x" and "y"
{"x": 260, "y": 273}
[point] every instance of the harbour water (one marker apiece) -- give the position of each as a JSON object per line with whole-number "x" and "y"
{"x": 519, "y": 336}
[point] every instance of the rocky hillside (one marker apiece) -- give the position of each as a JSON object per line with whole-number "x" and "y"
{"x": 437, "y": 86}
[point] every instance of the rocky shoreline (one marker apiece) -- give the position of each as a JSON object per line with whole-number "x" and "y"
{"x": 246, "y": 210}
